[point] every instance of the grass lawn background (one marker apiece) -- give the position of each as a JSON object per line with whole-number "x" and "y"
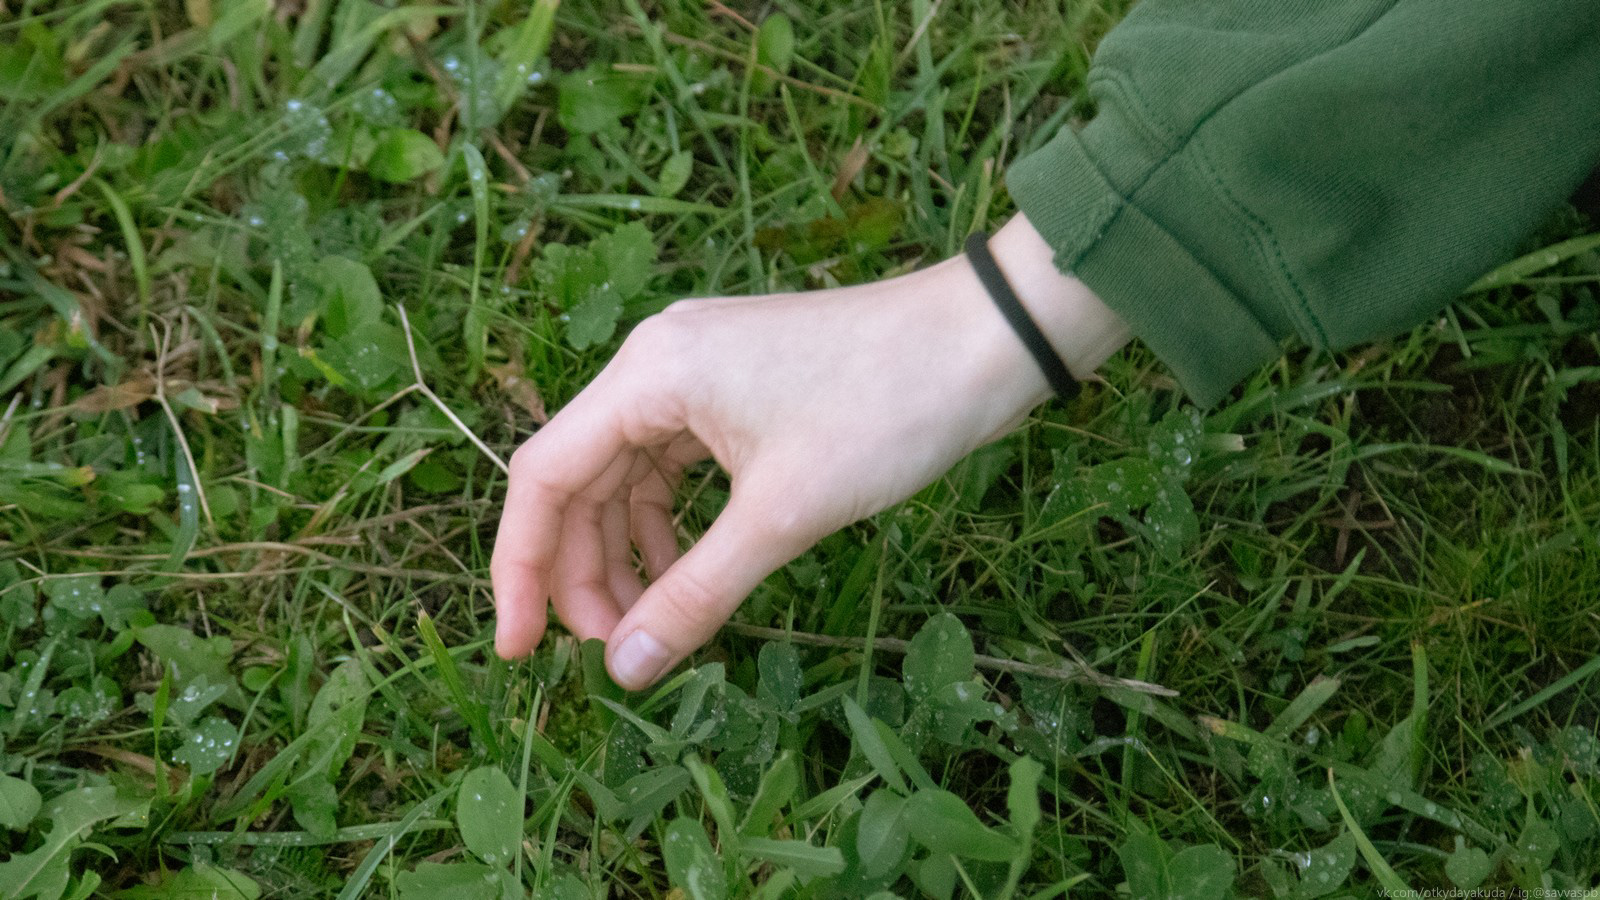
{"x": 245, "y": 522}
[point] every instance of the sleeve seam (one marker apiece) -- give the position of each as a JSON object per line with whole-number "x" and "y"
{"x": 1268, "y": 250}
{"x": 1172, "y": 145}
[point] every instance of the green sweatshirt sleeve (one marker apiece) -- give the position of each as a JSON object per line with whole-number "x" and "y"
{"x": 1337, "y": 170}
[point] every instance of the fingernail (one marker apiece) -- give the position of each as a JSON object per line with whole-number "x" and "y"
{"x": 639, "y": 660}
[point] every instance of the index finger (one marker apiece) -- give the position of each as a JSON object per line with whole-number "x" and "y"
{"x": 563, "y": 458}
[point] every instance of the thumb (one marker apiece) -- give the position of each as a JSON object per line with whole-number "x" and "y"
{"x": 683, "y": 608}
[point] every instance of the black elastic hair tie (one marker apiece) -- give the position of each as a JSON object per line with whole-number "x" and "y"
{"x": 994, "y": 281}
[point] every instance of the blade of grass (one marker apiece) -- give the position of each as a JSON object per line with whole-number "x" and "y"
{"x": 1564, "y": 682}
{"x": 130, "y": 238}
{"x": 1537, "y": 261}
{"x": 380, "y": 852}
{"x": 1392, "y": 882}
{"x": 474, "y": 712}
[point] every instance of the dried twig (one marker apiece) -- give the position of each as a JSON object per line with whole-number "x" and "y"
{"x": 422, "y": 385}
{"x": 172, "y": 417}
{"x": 5, "y": 419}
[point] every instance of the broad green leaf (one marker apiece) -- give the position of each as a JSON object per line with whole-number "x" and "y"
{"x": 778, "y": 786}
{"x": 189, "y": 654}
{"x": 804, "y": 859}
{"x": 597, "y": 682}
{"x": 315, "y": 803}
{"x": 333, "y": 725}
{"x": 955, "y": 707}
{"x": 778, "y": 664}
{"x": 942, "y": 822}
{"x": 629, "y": 256}
{"x": 872, "y": 746}
{"x": 647, "y": 793}
{"x": 881, "y": 835}
{"x": 198, "y": 882}
{"x": 1537, "y": 846}
{"x": 1200, "y": 873}
{"x": 185, "y": 708}
{"x": 940, "y": 654}
{"x": 701, "y": 683}
{"x": 18, "y": 600}
{"x": 565, "y": 887}
{"x": 489, "y": 814}
{"x": 448, "y": 881}
{"x": 691, "y": 864}
{"x": 124, "y": 600}
{"x": 1144, "y": 864}
{"x": 1467, "y": 866}
{"x": 403, "y": 154}
{"x": 44, "y": 872}
{"x": 350, "y": 295}
{"x": 775, "y": 42}
{"x": 1022, "y": 797}
{"x": 371, "y": 354}
{"x": 79, "y": 597}
{"x": 594, "y": 99}
{"x": 935, "y": 875}
{"x": 19, "y": 802}
{"x": 341, "y": 703}
{"x": 91, "y": 703}
{"x": 675, "y": 174}
{"x": 1324, "y": 870}
{"x": 567, "y": 274}
{"x": 594, "y": 320}
{"x": 208, "y": 746}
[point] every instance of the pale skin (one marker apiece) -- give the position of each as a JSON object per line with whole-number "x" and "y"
{"x": 824, "y": 407}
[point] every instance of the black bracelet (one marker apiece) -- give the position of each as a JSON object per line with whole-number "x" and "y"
{"x": 994, "y": 281}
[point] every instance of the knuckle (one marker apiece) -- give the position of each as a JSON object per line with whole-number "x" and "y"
{"x": 502, "y": 565}
{"x": 684, "y": 598}
{"x": 656, "y": 355}
{"x": 776, "y": 514}
{"x": 522, "y": 458}
{"x": 654, "y": 335}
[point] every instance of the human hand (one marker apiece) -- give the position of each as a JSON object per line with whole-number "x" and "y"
{"x": 824, "y": 407}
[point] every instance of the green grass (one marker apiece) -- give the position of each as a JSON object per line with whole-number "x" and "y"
{"x": 243, "y": 550}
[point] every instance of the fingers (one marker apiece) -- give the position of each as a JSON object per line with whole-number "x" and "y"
{"x": 568, "y": 456}
{"x": 519, "y": 605}
{"x": 621, "y": 576}
{"x": 582, "y": 586}
{"x": 693, "y": 598}
{"x": 651, "y": 503}
{"x": 584, "y": 567}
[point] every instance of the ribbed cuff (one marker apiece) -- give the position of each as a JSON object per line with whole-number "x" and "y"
{"x": 1170, "y": 300}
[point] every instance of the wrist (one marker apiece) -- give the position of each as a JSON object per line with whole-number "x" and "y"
{"x": 999, "y": 380}
{"x": 1083, "y": 331}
